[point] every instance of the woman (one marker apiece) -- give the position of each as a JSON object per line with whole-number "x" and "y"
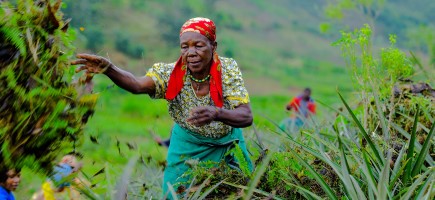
{"x": 205, "y": 93}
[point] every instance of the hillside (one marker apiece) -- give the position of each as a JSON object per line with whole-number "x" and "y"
{"x": 277, "y": 43}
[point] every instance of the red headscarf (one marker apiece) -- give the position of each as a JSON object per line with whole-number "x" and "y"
{"x": 207, "y": 28}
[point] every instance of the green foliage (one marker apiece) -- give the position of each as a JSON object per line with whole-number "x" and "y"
{"x": 369, "y": 9}
{"x": 240, "y": 159}
{"x": 365, "y": 69}
{"x": 13, "y": 35}
{"x": 395, "y": 62}
{"x": 380, "y": 81}
{"x": 124, "y": 44}
{"x": 82, "y": 12}
{"x": 207, "y": 174}
{"x": 378, "y": 173}
{"x": 95, "y": 38}
{"x": 42, "y": 112}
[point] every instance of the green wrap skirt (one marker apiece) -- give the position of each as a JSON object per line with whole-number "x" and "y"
{"x": 187, "y": 145}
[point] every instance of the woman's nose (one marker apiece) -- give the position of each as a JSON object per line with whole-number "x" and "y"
{"x": 191, "y": 51}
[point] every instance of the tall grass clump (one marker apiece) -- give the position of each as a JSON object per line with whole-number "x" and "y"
{"x": 378, "y": 148}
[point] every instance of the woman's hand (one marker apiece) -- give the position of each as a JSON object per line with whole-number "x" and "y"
{"x": 91, "y": 63}
{"x": 201, "y": 116}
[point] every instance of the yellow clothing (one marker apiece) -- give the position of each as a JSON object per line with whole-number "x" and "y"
{"x": 47, "y": 191}
{"x": 234, "y": 93}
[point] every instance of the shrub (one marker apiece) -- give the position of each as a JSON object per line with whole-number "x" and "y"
{"x": 123, "y": 44}
{"x": 95, "y": 38}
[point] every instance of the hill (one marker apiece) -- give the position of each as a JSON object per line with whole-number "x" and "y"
{"x": 277, "y": 43}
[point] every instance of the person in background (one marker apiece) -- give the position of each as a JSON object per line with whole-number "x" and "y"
{"x": 58, "y": 186}
{"x": 9, "y": 181}
{"x": 303, "y": 107}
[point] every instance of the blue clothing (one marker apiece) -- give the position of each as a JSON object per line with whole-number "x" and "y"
{"x": 6, "y": 195}
{"x": 60, "y": 173}
{"x": 186, "y": 145}
{"x": 291, "y": 125}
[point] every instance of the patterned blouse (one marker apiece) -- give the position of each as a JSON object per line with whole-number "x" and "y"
{"x": 233, "y": 88}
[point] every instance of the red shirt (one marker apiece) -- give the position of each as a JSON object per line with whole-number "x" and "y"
{"x": 296, "y": 104}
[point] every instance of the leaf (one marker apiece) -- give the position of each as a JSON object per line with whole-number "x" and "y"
{"x": 241, "y": 160}
{"x": 93, "y": 139}
{"x": 118, "y": 146}
{"x": 259, "y": 171}
{"x": 397, "y": 172}
{"x": 411, "y": 144}
{"x": 418, "y": 182}
{"x": 417, "y": 61}
{"x": 346, "y": 176}
{"x": 204, "y": 195}
{"x": 329, "y": 192}
{"x": 426, "y": 187}
{"x": 14, "y": 35}
{"x": 246, "y": 188}
{"x": 56, "y": 6}
{"x": 407, "y": 135}
{"x": 66, "y": 25}
{"x": 305, "y": 191}
{"x": 384, "y": 179}
{"x": 369, "y": 171}
{"x": 171, "y": 192}
{"x": 131, "y": 146}
{"x": 122, "y": 185}
{"x": 99, "y": 172}
{"x": 52, "y": 18}
{"x": 423, "y": 152}
{"x": 374, "y": 148}
{"x": 199, "y": 189}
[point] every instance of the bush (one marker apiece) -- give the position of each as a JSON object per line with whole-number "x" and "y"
{"x": 123, "y": 44}
{"x": 95, "y": 38}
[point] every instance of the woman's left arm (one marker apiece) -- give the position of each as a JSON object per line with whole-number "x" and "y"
{"x": 239, "y": 117}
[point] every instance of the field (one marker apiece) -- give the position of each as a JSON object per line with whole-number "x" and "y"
{"x": 137, "y": 119}
{"x": 281, "y": 50}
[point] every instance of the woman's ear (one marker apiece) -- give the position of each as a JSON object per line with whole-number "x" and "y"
{"x": 214, "y": 44}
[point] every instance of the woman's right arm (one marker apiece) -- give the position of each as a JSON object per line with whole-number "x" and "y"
{"x": 124, "y": 79}
{"x": 129, "y": 82}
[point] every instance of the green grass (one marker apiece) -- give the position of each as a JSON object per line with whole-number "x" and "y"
{"x": 127, "y": 118}
{"x": 134, "y": 119}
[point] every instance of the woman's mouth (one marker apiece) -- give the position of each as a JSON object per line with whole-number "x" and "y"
{"x": 194, "y": 63}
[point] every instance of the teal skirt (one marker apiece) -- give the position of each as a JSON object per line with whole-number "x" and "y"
{"x": 187, "y": 145}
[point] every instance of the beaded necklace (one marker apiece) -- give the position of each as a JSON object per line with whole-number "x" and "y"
{"x": 198, "y": 80}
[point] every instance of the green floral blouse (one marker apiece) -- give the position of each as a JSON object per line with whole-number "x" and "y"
{"x": 234, "y": 92}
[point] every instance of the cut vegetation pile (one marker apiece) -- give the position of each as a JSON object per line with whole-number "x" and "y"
{"x": 41, "y": 112}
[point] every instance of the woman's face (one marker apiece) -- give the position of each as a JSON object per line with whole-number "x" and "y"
{"x": 196, "y": 51}
{"x": 12, "y": 181}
